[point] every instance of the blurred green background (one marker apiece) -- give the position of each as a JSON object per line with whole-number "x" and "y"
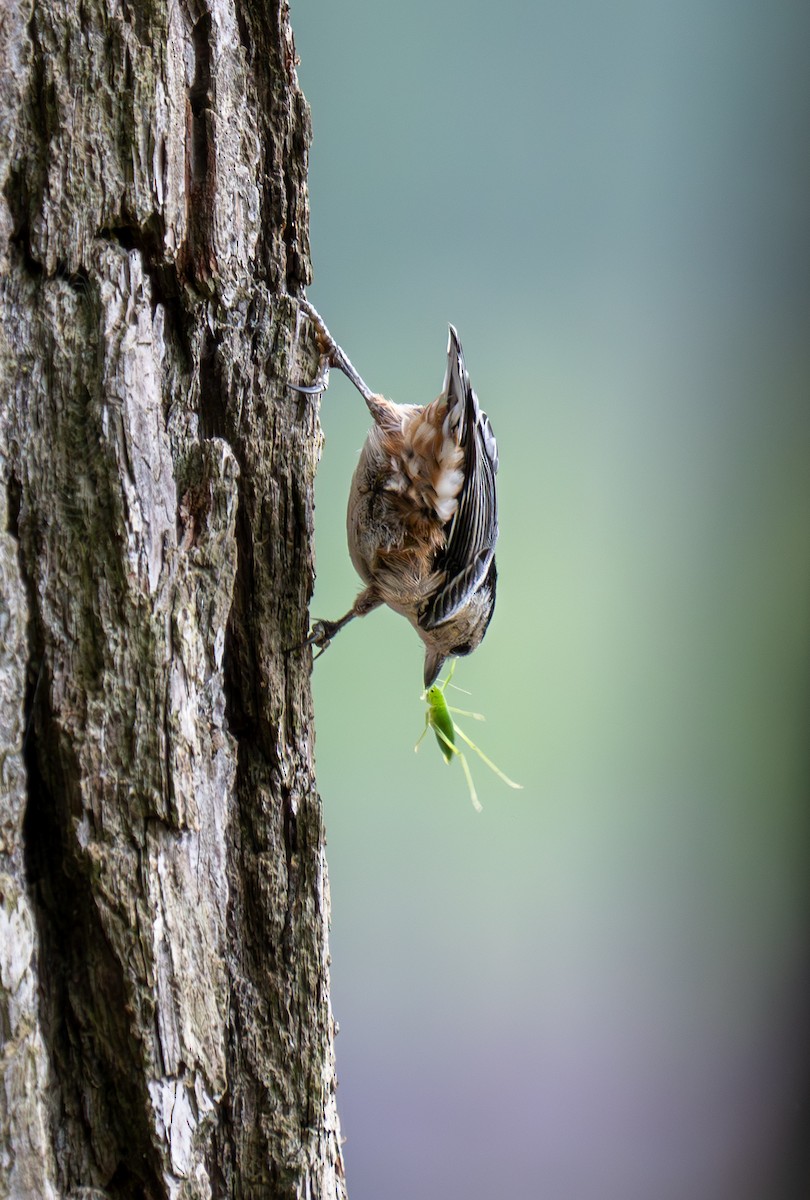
{"x": 596, "y": 989}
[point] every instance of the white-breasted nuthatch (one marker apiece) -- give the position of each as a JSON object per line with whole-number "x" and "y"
{"x": 422, "y": 519}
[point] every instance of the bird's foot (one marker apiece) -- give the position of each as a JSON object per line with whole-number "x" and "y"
{"x": 319, "y": 384}
{"x": 331, "y": 356}
{"x": 321, "y": 634}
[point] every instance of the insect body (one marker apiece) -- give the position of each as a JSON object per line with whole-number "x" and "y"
{"x": 439, "y": 718}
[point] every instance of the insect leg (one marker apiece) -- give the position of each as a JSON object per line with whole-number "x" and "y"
{"x": 463, "y": 712}
{"x": 422, "y": 734}
{"x": 486, "y": 760}
{"x": 476, "y": 803}
{"x": 467, "y": 775}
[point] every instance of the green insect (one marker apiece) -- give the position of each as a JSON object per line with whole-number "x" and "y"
{"x": 438, "y": 718}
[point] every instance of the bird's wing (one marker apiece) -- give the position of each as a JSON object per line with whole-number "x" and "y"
{"x": 473, "y": 531}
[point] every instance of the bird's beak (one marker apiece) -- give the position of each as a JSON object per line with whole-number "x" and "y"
{"x": 433, "y": 664}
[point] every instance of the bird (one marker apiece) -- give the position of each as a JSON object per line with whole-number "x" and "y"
{"x": 422, "y": 517}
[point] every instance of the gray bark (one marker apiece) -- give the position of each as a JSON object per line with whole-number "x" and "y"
{"x": 164, "y": 991}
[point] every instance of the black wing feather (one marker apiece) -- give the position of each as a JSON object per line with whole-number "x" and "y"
{"x": 473, "y": 531}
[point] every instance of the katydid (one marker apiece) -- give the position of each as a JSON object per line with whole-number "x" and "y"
{"x": 439, "y": 718}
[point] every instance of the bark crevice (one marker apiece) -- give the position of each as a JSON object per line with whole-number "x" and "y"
{"x": 85, "y": 1005}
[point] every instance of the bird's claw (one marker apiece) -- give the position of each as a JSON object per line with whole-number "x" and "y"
{"x": 319, "y": 384}
{"x": 320, "y": 635}
{"x": 331, "y": 356}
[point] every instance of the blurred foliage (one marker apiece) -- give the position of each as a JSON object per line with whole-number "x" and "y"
{"x": 593, "y": 990}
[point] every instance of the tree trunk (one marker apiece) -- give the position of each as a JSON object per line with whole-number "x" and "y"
{"x": 164, "y": 992}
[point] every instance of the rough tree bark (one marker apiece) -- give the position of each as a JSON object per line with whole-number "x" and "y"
{"x": 164, "y": 996}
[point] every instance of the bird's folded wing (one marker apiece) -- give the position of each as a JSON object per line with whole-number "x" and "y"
{"x": 473, "y": 531}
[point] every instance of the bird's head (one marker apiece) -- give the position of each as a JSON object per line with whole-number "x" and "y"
{"x": 463, "y": 633}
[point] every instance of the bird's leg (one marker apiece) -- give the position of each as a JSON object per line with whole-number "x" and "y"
{"x": 333, "y": 356}
{"x": 322, "y": 632}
